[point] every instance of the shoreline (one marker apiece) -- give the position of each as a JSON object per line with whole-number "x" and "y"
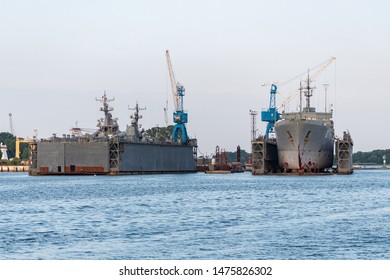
{"x": 14, "y": 168}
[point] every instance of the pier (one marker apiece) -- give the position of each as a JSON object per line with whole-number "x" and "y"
{"x": 14, "y": 168}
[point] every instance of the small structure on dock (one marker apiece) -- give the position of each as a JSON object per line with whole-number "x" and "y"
{"x": 237, "y": 166}
{"x": 202, "y": 163}
{"x": 344, "y": 151}
{"x": 219, "y": 164}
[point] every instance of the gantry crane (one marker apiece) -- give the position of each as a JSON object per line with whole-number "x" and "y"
{"x": 17, "y": 145}
{"x": 180, "y": 118}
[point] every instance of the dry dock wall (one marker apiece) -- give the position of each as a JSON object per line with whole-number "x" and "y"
{"x": 344, "y": 152}
{"x": 141, "y": 158}
{"x": 264, "y": 157}
{"x": 14, "y": 168}
{"x": 57, "y": 157}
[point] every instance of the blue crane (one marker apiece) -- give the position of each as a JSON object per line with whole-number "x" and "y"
{"x": 180, "y": 118}
{"x": 271, "y": 115}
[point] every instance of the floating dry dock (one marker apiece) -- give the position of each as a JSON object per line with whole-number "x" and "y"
{"x": 109, "y": 151}
{"x": 304, "y": 141}
{"x": 265, "y": 158}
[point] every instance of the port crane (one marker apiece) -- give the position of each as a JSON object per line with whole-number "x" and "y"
{"x": 180, "y": 118}
{"x": 17, "y": 145}
{"x": 271, "y": 115}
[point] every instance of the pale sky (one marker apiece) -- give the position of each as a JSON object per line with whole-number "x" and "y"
{"x": 56, "y": 57}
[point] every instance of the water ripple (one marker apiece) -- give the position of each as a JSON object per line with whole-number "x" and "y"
{"x": 195, "y": 216}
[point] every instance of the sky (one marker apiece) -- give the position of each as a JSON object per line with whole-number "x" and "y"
{"x": 56, "y": 57}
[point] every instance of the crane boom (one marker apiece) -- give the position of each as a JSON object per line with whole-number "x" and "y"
{"x": 321, "y": 68}
{"x": 173, "y": 80}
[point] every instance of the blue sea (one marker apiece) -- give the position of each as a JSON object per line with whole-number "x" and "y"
{"x": 196, "y": 216}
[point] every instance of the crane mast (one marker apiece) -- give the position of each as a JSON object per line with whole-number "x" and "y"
{"x": 180, "y": 118}
{"x": 271, "y": 115}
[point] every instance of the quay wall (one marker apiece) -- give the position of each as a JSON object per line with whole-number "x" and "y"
{"x": 14, "y": 168}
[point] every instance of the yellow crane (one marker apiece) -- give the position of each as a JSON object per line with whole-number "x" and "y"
{"x": 17, "y": 148}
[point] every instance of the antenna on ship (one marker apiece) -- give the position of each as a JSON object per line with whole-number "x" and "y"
{"x": 136, "y": 116}
{"x": 326, "y": 86}
{"x": 105, "y": 102}
{"x": 107, "y": 125}
{"x": 308, "y": 92}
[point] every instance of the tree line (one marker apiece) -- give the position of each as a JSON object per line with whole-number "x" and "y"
{"x": 373, "y": 157}
{"x": 10, "y": 141}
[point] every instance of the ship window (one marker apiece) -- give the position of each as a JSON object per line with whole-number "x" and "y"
{"x": 59, "y": 168}
{"x": 72, "y": 168}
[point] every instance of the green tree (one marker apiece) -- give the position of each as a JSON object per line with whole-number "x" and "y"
{"x": 232, "y": 156}
{"x": 10, "y": 140}
{"x": 160, "y": 134}
{"x": 373, "y": 157}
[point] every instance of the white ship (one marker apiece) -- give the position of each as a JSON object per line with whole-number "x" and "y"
{"x": 305, "y": 139}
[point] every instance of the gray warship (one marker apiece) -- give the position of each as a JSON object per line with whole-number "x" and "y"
{"x": 305, "y": 139}
{"x": 109, "y": 151}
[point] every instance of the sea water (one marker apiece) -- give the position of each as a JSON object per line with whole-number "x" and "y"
{"x": 195, "y": 216}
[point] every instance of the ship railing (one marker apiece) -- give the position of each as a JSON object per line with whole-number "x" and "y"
{"x": 307, "y": 116}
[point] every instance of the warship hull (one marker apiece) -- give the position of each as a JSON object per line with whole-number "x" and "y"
{"x": 304, "y": 144}
{"x": 110, "y": 158}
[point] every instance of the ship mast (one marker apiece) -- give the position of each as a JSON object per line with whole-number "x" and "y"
{"x": 300, "y": 97}
{"x": 136, "y": 116}
{"x": 107, "y": 125}
{"x": 308, "y": 91}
